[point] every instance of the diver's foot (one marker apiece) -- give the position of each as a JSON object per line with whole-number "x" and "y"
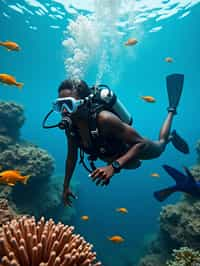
{"x": 179, "y": 143}
{"x": 172, "y": 110}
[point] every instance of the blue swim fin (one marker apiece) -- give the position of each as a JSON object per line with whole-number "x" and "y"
{"x": 174, "y": 90}
{"x": 179, "y": 143}
{"x": 162, "y": 194}
{"x": 190, "y": 176}
{"x": 184, "y": 183}
{"x": 175, "y": 174}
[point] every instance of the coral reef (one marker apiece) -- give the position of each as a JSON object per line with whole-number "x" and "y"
{"x": 152, "y": 260}
{"x": 11, "y": 119}
{"x": 18, "y": 154}
{"x": 43, "y": 193}
{"x": 26, "y": 242}
{"x": 5, "y": 141}
{"x": 179, "y": 227}
{"x": 181, "y": 223}
{"x": 185, "y": 257}
{"x": 6, "y": 212}
{"x": 198, "y": 151}
{"x": 28, "y": 159}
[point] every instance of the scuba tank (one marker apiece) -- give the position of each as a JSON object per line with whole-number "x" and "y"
{"x": 104, "y": 95}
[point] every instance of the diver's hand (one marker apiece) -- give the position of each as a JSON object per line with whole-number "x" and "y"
{"x": 67, "y": 196}
{"x": 102, "y": 175}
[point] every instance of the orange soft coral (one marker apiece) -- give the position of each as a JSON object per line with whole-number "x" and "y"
{"x": 25, "y": 242}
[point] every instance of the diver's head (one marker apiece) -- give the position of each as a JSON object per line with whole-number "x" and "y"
{"x": 75, "y": 90}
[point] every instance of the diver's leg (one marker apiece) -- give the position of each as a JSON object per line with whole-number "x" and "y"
{"x": 167, "y": 136}
{"x": 153, "y": 149}
{"x": 174, "y": 89}
{"x": 166, "y": 129}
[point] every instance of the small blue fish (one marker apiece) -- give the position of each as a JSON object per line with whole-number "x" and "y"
{"x": 184, "y": 183}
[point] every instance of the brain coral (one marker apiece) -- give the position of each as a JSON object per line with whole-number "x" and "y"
{"x": 11, "y": 118}
{"x": 29, "y": 243}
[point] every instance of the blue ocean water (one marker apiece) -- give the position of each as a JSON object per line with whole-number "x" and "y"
{"x": 131, "y": 72}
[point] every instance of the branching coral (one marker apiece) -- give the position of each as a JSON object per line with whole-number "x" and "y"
{"x": 29, "y": 243}
{"x": 185, "y": 257}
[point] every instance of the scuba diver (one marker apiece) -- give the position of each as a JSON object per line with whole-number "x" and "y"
{"x": 97, "y": 123}
{"x": 184, "y": 183}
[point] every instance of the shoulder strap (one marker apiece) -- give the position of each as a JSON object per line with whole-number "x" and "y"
{"x": 93, "y": 127}
{"x": 91, "y": 161}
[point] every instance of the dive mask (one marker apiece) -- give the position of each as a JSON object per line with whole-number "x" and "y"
{"x": 69, "y": 104}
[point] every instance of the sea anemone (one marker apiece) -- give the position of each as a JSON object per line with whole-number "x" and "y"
{"x": 25, "y": 242}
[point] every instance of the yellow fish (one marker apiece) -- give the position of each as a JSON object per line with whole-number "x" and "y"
{"x": 148, "y": 99}
{"x": 11, "y": 46}
{"x": 169, "y": 59}
{"x": 116, "y": 239}
{"x": 131, "y": 41}
{"x": 155, "y": 175}
{"x": 85, "y": 218}
{"x": 11, "y": 177}
{"x": 10, "y": 80}
{"x": 122, "y": 210}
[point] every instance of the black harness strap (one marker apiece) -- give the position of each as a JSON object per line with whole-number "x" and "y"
{"x": 98, "y": 143}
{"x": 91, "y": 160}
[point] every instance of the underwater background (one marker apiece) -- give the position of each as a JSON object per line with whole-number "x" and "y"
{"x": 60, "y": 39}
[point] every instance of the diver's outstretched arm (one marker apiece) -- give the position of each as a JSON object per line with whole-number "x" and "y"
{"x": 71, "y": 161}
{"x": 70, "y": 165}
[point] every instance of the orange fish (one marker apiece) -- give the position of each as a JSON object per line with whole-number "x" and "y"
{"x": 11, "y": 46}
{"x": 116, "y": 239}
{"x": 11, "y": 177}
{"x": 169, "y": 59}
{"x": 10, "y": 80}
{"x": 148, "y": 99}
{"x": 155, "y": 175}
{"x": 131, "y": 42}
{"x": 85, "y": 218}
{"x": 122, "y": 210}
